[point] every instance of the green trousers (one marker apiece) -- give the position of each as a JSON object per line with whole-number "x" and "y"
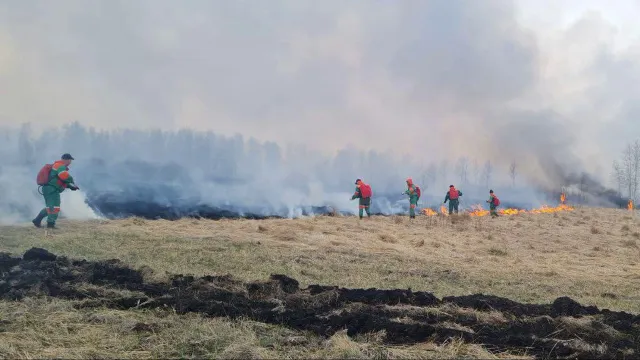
{"x": 493, "y": 210}
{"x": 363, "y": 205}
{"x": 453, "y": 206}
{"x": 413, "y": 202}
{"x": 52, "y": 205}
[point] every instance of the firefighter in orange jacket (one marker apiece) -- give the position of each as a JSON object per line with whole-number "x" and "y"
{"x": 363, "y": 193}
{"x": 59, "y": 180}
{"x": 414, "y": 196}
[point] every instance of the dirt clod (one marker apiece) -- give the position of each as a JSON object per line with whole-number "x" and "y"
{"x": 38, "y": 254}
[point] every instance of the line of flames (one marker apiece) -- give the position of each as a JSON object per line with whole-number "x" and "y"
{"x": 478, "y": 210}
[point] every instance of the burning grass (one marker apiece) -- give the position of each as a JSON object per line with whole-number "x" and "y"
{"x": 478, "y": 210}
{"x": 542, "y": 260}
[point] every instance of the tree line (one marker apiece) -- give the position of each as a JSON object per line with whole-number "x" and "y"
{"x": 236, "y": 157}
{"x": 465, "y": 171}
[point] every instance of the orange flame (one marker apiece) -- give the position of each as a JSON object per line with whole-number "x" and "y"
{"x": 429, "y": 212}
{"x": 630, "y": 205}
{"x": 477, "y": 210}
{"x": 563, "y": 198}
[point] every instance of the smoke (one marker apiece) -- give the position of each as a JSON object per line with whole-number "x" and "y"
{"x": 372, "y": 90}
{"x": 175, "y": 174}
{"x": 76, "y": 206}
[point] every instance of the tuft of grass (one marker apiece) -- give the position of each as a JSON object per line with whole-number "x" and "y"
{"x": 333, "y": 212}
{"x": 125, "y": 334}
{"x": 262, "y": 228}
{"x": 460, "y": 218}
{"x": 497, "y": 252}
{"x": 398, "y": 219}
{"x": 288, "y": 236}
{"x": 636, "y": 235}
{"x": 138, "y": 221}
{"x": 388, "y": 238}
{"x": 595, "y": 230}
{"x": 625, "y": 227}
{"x": 630, "y": 243}
{"x": 306, "y": 226}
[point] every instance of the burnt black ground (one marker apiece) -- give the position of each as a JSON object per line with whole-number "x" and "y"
{"x": 540, "y": 330}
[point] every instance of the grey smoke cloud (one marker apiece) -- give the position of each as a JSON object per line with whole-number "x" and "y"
{"x": 431, "y": 79}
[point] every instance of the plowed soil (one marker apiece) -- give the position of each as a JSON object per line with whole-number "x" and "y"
{"x": 563, "y": 328}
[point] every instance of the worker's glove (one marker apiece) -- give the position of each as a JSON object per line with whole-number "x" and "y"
{"x": 73, "y": 187}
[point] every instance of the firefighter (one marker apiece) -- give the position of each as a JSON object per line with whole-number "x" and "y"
{"x": 363, "y": 193}
{"x": 453, "y": 196}
{"x": 493, "y": 204}
{"x": 59, "y": 179}
{"x": 413, "y": 193}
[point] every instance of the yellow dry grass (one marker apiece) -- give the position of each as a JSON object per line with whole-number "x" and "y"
{"x": 591, "y": 255}
{"x": 532, "y": 258}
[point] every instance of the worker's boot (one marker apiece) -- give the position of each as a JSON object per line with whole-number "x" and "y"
{"x": 51, "y": 225}
{"x": 37, "y": 222}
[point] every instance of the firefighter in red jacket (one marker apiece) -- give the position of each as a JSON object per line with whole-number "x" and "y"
{"x": 363, "y": 193}
{"x": 453, "y": 196}
{"x": 493, "y": 204}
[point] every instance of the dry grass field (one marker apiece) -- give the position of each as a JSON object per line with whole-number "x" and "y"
{"x": 589, "y": 255}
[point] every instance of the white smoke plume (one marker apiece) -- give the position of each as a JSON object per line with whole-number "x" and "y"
{"x": 188, "y": 173}
{"x": 398, "y": 86}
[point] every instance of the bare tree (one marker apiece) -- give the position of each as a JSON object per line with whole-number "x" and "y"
{"x": 25, "y": 147}
{"x": 462, "y": 170}
{"x": 584, "y": 189}
{"x": 630, "y": 168}
{"x": 477, "y": 172}
{"x": 432, "y": 173}
{"x": 444, "y": 170}
{"x": 617, "y": 176}
{"x": 513, "y": 172}
{"x": 487, "y": 172}
{"x": 635, "y": 160}
{"x": 626, "y": 172}
{"x": 423, "y": 176}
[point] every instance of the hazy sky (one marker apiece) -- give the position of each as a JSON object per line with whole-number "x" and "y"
{"x": 530, "y": 79}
